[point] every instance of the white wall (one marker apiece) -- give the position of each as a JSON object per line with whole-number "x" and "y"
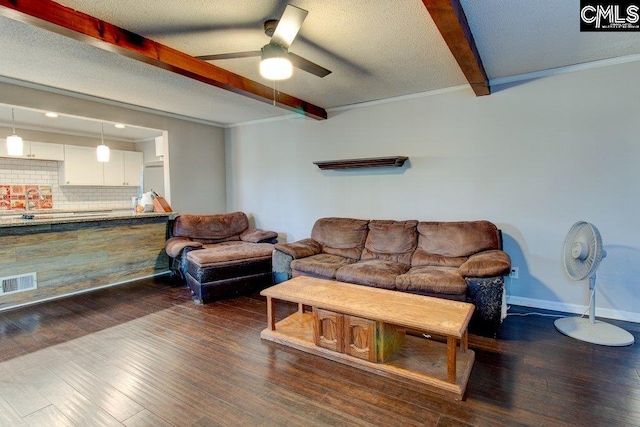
{"x": 533, "y": 158}
{"x": 196, "y": 151}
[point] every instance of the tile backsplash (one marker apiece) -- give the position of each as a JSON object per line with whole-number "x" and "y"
{"x": 45, "y": 173}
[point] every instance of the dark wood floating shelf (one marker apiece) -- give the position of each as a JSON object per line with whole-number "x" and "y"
{"x": 374, "y": 162}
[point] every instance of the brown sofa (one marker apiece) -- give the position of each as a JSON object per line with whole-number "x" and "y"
{"x": 454, "y": 260}
{"x": 219, "y": 255}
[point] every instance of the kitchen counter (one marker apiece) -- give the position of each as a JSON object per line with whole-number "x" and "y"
{"x": 16, "y": 219}
{"x": 64, "y": 253}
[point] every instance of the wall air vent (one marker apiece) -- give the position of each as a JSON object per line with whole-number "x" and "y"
{"x": 18, "y": 283}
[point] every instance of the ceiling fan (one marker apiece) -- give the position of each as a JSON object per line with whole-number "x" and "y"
{"x": 277, "y": 61}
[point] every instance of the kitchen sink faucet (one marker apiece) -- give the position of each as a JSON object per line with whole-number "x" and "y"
{"x": 29, "y": 191}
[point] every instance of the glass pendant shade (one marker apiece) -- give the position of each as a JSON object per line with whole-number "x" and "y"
{"x": 102, "y": 151}
{"x": 14, "y": 142}
{"x": 275, "y": 64}
{"x": 14, "y": 145}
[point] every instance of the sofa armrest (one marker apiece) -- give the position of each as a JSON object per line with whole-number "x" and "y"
{"x": 175, "y": 245}
{"x": 300, "y": 249}
{"x": 486, "y": 264}
{"x": 488, "y": 296}
{"x": 255, "y": 235}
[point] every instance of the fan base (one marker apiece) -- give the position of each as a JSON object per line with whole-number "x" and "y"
{"x": 600, "y": 333}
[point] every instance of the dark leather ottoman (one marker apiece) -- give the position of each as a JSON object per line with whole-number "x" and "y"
{"x": 228, "y": 269}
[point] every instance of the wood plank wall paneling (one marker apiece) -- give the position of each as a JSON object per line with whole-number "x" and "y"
{"x": 93, "y": 254}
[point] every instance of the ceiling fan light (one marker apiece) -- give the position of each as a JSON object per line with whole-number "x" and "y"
{"x": 14, "y": 145}
{"x": 275, "y": 64}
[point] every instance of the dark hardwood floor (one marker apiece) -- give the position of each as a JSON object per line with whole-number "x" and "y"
{"x": 145, "y": 354}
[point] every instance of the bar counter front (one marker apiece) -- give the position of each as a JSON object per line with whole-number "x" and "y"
{"x": 62, "y": 253}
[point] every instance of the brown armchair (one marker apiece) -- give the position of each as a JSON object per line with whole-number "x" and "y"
{"x": 219, "y": 255}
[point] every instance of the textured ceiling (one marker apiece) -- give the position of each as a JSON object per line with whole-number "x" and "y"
{"x": 377, "y": 49}
{"x": 523, "y": 36}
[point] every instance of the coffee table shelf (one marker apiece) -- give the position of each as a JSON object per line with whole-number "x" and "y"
{"x": 441, "y": 366}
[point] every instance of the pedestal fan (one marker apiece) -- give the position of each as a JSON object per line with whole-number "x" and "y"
{"x": 582, "y": 254}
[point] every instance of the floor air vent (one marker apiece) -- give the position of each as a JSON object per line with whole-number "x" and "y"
{"x": 19, "y": 283}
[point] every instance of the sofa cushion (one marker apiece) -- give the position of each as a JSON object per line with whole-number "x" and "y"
{"x": 211, "y": 228}
{"x": 341, "y": 236}
{"x": 421, "y": 258}
{"x": 432, "y": 280}
{"x": 453, "y": 240}
{"x": 391, "y": 241}
{"x": 373, "y": 272}
{"x": 229, "y": 253}
{"x": 486, "y": 264}
{"x": 320, "y": 265}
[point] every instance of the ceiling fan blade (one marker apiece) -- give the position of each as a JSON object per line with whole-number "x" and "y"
{"x": 233, "y": 55}
{"x": 308, "y": 66}
{"x": 289, "y": 25}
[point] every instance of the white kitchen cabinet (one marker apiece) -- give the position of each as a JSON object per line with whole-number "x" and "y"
{"x": 35, "y": 150}
{"x": 133, "y": 165}
{"x": 81, "y": 167}
{"x": 46, "y": 151}
{"x": 124, "y": 168}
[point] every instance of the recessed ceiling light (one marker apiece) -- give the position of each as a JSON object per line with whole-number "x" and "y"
{"x": 119, "y": 125}
{"x": 51, "y": 114}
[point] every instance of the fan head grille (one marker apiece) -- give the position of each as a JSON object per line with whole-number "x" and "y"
{"x": 582, "y": 250}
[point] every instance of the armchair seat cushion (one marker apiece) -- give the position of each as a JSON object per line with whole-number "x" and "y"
{"x": 372, "y": 272}
{"x": 430, "y": 280}
{"x": 321, "y": 265}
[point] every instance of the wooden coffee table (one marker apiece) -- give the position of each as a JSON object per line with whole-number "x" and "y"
{"x": 365, "y": 327}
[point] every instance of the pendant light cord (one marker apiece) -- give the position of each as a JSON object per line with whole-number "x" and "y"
{"x": 13, "y": 121}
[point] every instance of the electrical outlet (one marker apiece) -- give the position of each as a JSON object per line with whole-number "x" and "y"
{"x": 514, "y": 272}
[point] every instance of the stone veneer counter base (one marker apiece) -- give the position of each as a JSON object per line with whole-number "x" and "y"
{"x": 76, "y": 254}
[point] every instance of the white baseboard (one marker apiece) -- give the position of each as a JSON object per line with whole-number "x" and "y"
{"x": 606, "y": 313}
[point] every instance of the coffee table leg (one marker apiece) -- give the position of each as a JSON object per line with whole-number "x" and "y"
{"x": 271, "y": 314}
{"x": 464, "y": 342}
{"x": 451, "y": 359}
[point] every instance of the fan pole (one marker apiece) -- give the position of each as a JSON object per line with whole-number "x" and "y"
{"x": 592, "y": 300}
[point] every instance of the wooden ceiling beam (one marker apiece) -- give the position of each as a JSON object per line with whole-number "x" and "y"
{"x": 452, "y": 23}
{"x": 68, "y": 22}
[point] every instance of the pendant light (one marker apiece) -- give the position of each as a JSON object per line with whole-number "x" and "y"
{"x": 14, "y": 142}
{"x": 102, "y": 151}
